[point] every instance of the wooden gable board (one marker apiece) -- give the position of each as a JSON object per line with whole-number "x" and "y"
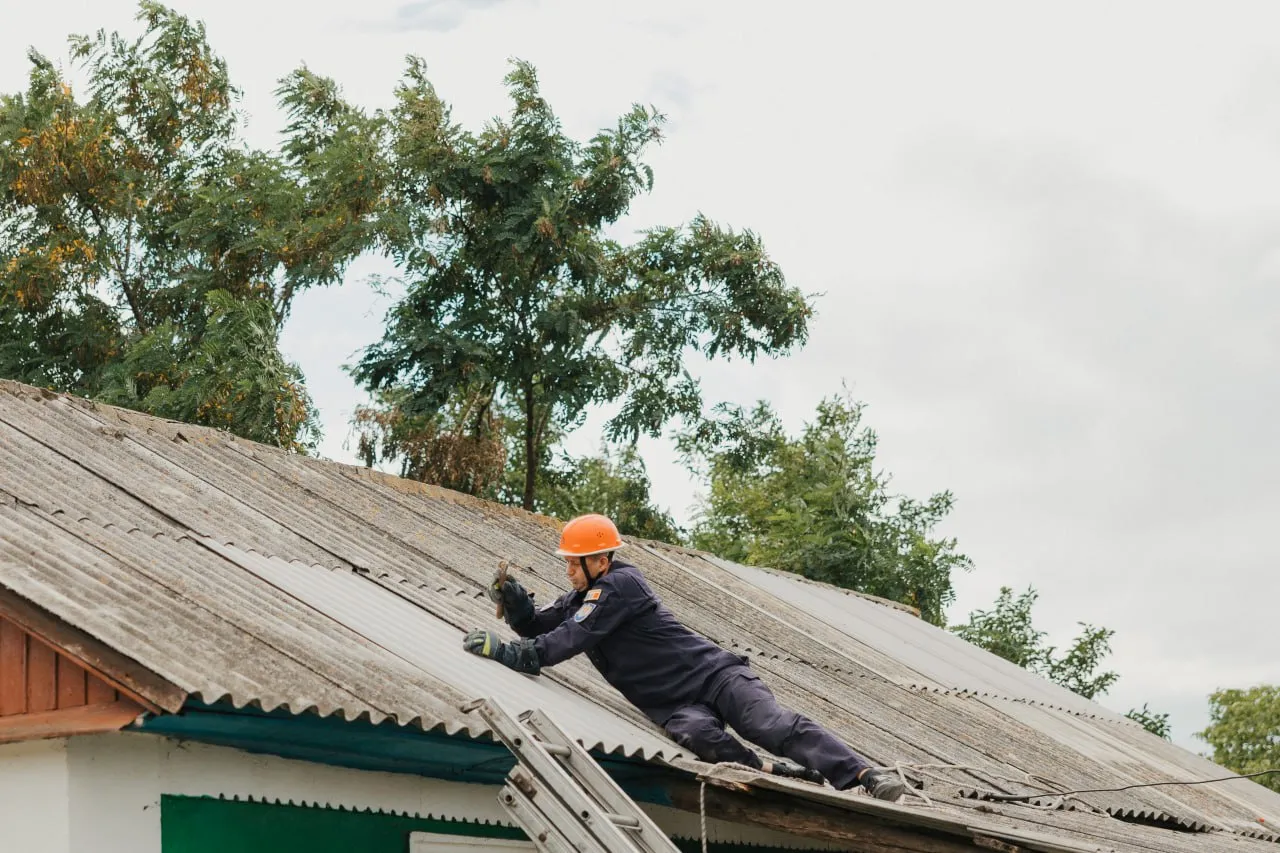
{"x": 44, "y": 693}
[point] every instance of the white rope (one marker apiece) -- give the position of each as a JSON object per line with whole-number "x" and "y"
{"x": 702, "y": 812}
{"x": 909, "y": 788}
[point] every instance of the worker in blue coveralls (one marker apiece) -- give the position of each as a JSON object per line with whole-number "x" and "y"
{"x": 680, "y": 680}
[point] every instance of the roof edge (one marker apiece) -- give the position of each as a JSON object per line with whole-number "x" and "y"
{"x": 125, "y": 674}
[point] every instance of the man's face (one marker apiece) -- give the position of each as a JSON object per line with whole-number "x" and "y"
{"x": 577, "y": 577}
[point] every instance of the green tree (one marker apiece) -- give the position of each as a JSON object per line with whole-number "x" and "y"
{"x": 1244, "y": 731}
{"x": 614, "y": 483}
{"x": 1007, "y": 630}
{"x": 1157, "y": 724}
{"x": 473, "y": 444}
{"x": 231, "y": 376}
{"x": 814, "y": 505}
{"x": 460, "y": 446}
{"x": 473, "y": 447}
{"x": 124, "y": 212}
{"x": 515, "y": 293}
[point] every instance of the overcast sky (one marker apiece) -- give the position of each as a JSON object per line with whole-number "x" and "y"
{"x": 1046, "y": 241}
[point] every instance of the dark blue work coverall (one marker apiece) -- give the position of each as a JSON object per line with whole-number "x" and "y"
{"x": 680, "y": 680}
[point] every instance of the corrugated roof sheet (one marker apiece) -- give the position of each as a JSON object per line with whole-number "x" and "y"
{"x": 938, "y": 656}
{"x": 243, "y": 573}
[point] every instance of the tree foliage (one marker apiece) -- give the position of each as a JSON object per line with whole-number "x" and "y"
{"x": 515, "y": 293}
{"x": 123, "y": 212}
{"x": 231, "y": 377}
{"x": 459, "y": 446}
{"x": 473, "y": 444}
{"x": 1244, "y": 731}
{"x": 814, "y": 504}
{"x": 1007, "y": 630}
{"x": 1157, "y": 724}
{"x": 614, "y": 483}
{"x": 473, "y": 447}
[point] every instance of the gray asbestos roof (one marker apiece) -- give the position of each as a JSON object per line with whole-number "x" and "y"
{"x": 242, "y": 573}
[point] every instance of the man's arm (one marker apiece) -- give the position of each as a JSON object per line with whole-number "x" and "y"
{"x": 608, "y": 606}
{"x": 524, "y": 619}
{"x": 544, "y": 619}
{"x": 520, "y": 655}
{"x": 519, "y": 610}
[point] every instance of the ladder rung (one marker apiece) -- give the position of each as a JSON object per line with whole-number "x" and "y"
{"x": 553, "y": 748}
{"x": 623, "y": 821}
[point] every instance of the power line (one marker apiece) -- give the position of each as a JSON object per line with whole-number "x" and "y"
{"x": 1022, "y": 798}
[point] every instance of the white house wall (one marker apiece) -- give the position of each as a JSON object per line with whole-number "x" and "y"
{"x": 34, "y": 797}
{"x": 115, "y": 793}
{"x": 102, "y": 792}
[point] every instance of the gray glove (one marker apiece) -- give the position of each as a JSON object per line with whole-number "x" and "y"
{"x": 519, "y": 655}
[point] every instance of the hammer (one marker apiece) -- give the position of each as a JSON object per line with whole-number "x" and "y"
{"x": 502, "y": 578}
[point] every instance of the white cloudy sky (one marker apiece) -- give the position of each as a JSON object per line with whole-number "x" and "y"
{"x": 1045, "y": 234}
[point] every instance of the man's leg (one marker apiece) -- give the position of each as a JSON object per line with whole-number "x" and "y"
{"x": 750, "y": 707}
{"x": 698, "y": 729}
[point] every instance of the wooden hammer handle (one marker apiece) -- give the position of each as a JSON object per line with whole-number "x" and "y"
{"x": 502, "y": 578}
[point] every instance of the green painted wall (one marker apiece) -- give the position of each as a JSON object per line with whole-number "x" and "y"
{"x": 209, "y": 825}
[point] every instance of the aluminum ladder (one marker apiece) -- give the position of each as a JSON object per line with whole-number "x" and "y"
{"x": 560, "y": 796}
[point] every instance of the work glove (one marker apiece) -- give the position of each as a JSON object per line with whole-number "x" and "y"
{"x": 494, "y": 589}
{"x": 519, "y": 655}
{"x": 516, "y": 601}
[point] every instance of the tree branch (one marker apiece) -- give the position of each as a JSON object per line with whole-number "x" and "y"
{"x": 282, "y": 306}
{"x": 530, "y": 457}
{"x": 122, "y": 269}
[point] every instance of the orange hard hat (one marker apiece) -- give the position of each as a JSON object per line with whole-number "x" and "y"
{"x": 588, "y": 535}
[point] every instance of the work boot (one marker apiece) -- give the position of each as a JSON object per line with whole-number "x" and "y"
{"x": 795, "y": 771}
{"x": 882, "y": 784}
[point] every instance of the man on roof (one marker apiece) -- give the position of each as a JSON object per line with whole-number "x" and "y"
{"x": 682, "y": 681}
